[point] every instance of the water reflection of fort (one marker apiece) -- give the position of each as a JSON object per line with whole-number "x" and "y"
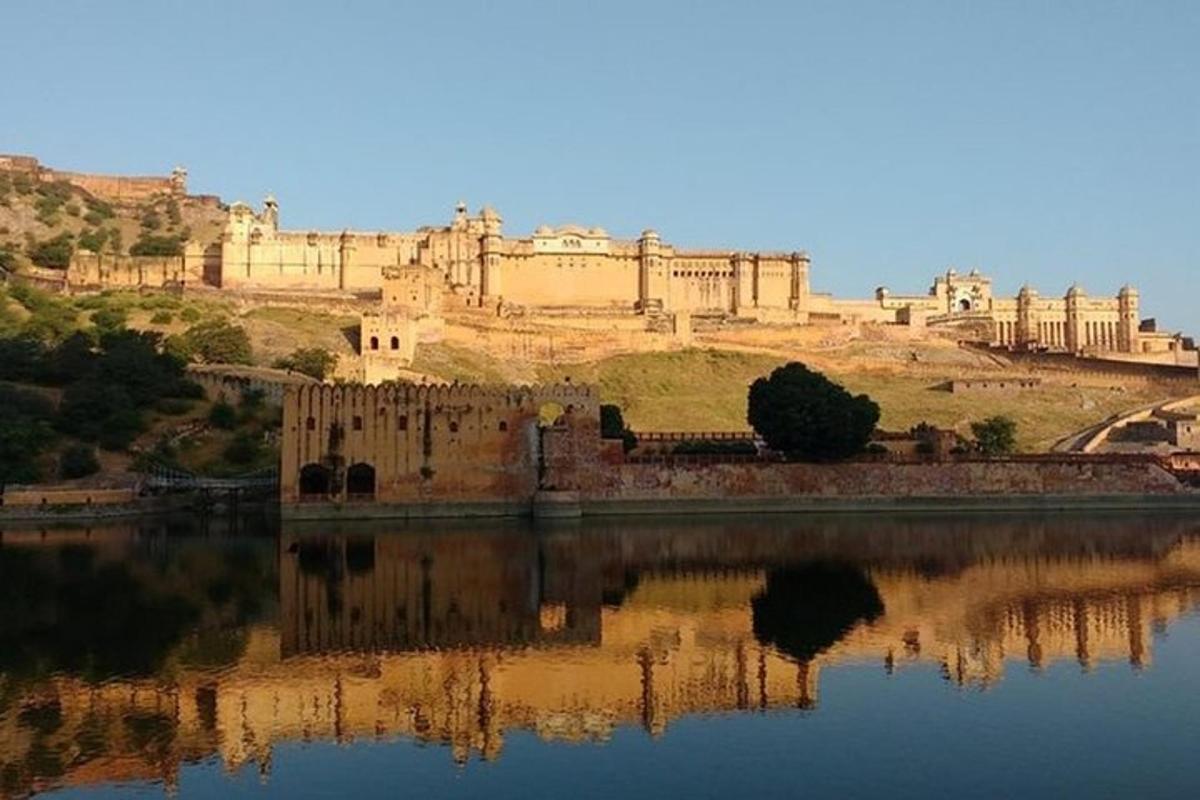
{"x": 460, "y": 637}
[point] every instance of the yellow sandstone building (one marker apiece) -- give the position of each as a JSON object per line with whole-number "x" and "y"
{"x": 574, "y": 269}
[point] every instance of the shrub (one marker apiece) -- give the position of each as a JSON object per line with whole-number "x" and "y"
{"x": 148, "y": 245}
{"x": 53, "y": 253}
{"x": 995, "y": 436}
{"x": 109, "y": 319}
{"x": 706, "y": 447}
{"x": 216, "y": 342}
{"x": 315, "y": 362}
{"x": 78, "y": 461}
{"x": 150, "y": 220}
{"x": 612, "y": 426}
{"x": 93, "y": 239}
{"x": 803, "y": 414}
{"x": 72, "y": 209}
{"x": 190, "y": 315}
{"x": 8, "y": 258}
{"x": 223, "y": 416}
{"x": 173, "y": 215}
{"x": 173, "y": 406}
{"x": 162, "y": 318}
{"x": 244, "y": 448}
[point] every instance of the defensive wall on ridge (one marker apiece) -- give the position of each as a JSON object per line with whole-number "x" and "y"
{"x": 118, "y": 188}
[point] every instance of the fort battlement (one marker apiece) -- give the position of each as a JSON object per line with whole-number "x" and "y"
{"x": 115, "y": 188}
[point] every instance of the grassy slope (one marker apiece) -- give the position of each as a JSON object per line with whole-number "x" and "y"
{"x": 706, "y": 390}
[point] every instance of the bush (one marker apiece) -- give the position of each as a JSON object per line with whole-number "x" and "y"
{"x": 214, "y": 342}
{"x": 244, "y": 448}
{"x": 804, "y": 415}
{"x": 223, "y": 416}
{"x": 706, "y": 447}
{"x": 8, "y": 258}
{"x": 148, "y": 245}
{"x": 173, "y": 406}
{"x": 53, "y": 253}
{"x": 78, "y": 461}
{"x": 150, "y": 220}
{"x": 109, "y": 319}
{"x": 315, "y": 362}
{"x": 190, "y": 315}
{"x": 995, "y": 436}
{"x": 162, "y": 318}
{"x": 93, "y": 239}
{"x": 612, "y": 426}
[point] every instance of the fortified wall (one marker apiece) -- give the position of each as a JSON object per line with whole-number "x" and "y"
{"x": 115, "y": 188}
{"x": 463, "y": 450}
{"x": 452, "y": 444}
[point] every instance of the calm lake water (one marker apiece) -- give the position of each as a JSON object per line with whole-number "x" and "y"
{"x": 965, "y": 656}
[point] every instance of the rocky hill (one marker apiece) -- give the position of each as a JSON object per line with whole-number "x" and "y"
{"x": 44, "y": 222}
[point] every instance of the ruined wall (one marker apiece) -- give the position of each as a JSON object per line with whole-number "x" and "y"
{"x": 116, "y": 188}
{"x": 426, "y": 443}
{"x": 196, "y": 267}
{"x": 658, "y": 482}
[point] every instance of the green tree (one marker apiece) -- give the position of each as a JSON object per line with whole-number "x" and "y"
{"x": 93, "y": 239}
{"x": 245, "y": 448}
{"x": 108, "y": 320}
{"x": 803, "y": 414}
{"x": 24, "y": 433}
{"x": 215, "y": 342}
{"x": 53, "y": 253}
{"x": 78, "y": 461}
{"x": 149, "y": 245}
{"x": 315, "y": 362}
{"x": 223, "y": 416}
{"x": 612, "y": 426}
{"x": 995, "y": 436}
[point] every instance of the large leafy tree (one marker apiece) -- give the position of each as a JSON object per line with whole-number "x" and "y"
{"x": 803, "y": 414}
{"x": 995, "y": 436}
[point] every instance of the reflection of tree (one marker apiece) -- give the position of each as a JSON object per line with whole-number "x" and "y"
{"x": 65, "y": 610}
{"x": 805, "y": 609}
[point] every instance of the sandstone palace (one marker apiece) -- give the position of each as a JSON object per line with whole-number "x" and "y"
{"x": 585, "y": 270}
{"x": 471, "y": 264}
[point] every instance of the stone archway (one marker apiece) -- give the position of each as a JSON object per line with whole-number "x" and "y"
{"x": 315, "y": 481}
{"x": 360, "y": 482}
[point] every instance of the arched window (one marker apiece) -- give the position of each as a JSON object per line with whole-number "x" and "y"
{"x": 402, "y": 422}
{"x": 503, "y": 425}
{"x": 360, "y": 482}
{"x": 374, "y": 342}
{"x": 395, "y": 342}
{"x": 454, "y": 427}
{"x": 314, "y": 481}
{"x": 310, "y": 424}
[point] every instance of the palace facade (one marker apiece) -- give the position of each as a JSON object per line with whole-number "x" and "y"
{"x": 585, "y": 270}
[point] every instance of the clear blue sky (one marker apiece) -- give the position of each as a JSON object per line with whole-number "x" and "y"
{"x": 1041, "y": 141}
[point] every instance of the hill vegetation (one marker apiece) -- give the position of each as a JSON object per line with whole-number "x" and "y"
{"x": 43, "y": 224}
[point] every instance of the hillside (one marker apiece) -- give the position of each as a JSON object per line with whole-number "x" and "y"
{"x": 661, "y": 386}
{"x": 43, "y": 223}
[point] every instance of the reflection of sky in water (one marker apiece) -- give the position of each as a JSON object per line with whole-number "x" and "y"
{"x": 978, "y": 657}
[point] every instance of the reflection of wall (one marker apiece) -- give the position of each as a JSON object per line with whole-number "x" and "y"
{"x": 459, "y": 637}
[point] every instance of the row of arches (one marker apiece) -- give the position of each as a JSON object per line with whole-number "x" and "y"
{"x": 316, "y": 482}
